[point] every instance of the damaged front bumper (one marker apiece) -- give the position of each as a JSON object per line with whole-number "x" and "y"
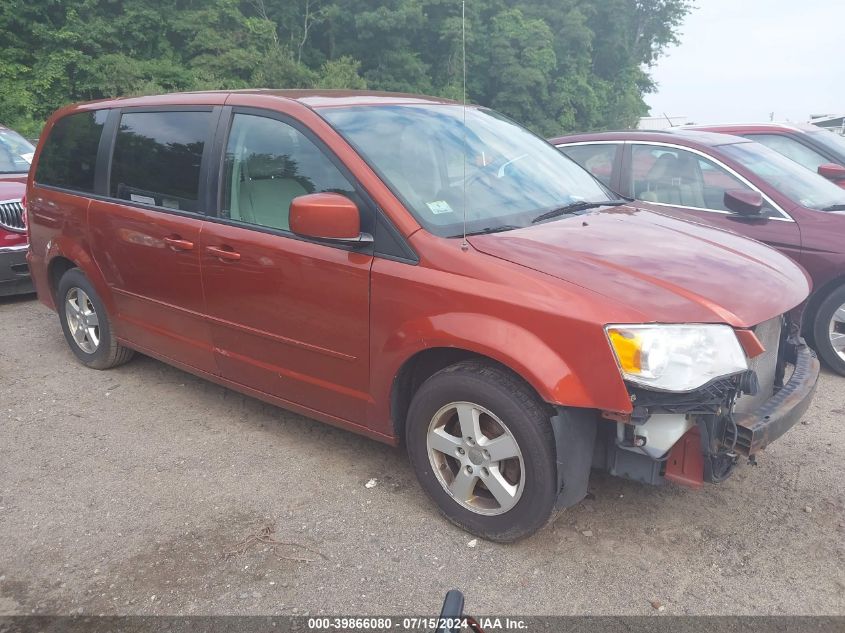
{"x": 711, "y": 435}
{"x": 685, "y": 438}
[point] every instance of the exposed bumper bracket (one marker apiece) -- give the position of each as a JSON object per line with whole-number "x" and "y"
{"x": 757, "y": 429}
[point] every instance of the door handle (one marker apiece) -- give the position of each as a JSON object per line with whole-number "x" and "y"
{"x": 178, "y": 244}
{"x": 223, "y": 253}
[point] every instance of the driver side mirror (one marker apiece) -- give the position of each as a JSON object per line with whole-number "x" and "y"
{"x": 744, "y": 202}
{"x": 330, "y": 217}
{"x": 832, "y": 171}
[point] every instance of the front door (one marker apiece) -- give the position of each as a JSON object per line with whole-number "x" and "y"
{"x": 290, "y": 317}
{"x": 146, "y": 234}
{"x": 688, "y": 185}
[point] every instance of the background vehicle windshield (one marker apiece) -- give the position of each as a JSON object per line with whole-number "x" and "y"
{"x": 15, "y": 152}
{"x": 510, "y": 175}
{"x": 794, "y": 181}
{"x": 831, "y": 140}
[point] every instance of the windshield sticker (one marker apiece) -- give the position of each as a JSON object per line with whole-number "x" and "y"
{"x": 439, "y": 206}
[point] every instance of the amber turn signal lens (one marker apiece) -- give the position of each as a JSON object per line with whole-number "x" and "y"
{"x": 628, "y": 347}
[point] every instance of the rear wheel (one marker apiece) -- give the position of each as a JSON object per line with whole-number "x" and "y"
{"x": 482, "y": 446}
{"x": 86, "y": 325}
{"x": 829, "y": 330}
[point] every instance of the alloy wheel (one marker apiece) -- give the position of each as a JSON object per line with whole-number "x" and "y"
{"x": 82, "y": 320}
{"x": 476, "y": 458}
{"x": 837, "y": 331}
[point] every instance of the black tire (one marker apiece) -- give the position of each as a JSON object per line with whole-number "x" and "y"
{"x": 821, "y": 330}
{"x": 503, "y": 394}
{"x": 108, "y": 352}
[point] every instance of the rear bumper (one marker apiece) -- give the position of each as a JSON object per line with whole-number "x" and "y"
{"x": 14, "y": 271}
{"x": 757, "y": 429}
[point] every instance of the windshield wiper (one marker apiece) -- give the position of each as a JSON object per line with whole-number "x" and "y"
{"x": 835, "y": 207}
{"x": 574, "y": 207}
{"x": 494, "y": 229}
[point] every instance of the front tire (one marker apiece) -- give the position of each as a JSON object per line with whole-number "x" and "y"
{"x": 86, "y": 324}
{"x": 482, "y": 446}
{"x": 829, "y": 330}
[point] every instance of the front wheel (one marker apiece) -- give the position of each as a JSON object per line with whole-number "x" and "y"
{"x": 482, "y": 446}
{"x": 829, "y": 330}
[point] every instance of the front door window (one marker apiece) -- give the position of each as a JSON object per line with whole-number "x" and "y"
{"x": 791, "y": 148}
{"x": 268, "y": 163}
{"x": 677, "y": 177}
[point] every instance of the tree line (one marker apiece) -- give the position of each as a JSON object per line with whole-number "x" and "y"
{"x": 554, "y": 65}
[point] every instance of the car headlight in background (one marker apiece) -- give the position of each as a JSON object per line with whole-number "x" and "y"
{"x": 676, "y": 357}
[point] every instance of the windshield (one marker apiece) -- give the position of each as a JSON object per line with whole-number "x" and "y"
{"x": 801, "y": 185}
{"x": 15, "y": 152}
{"x": 831, "y": 140}
{"x": 509, "y": 175}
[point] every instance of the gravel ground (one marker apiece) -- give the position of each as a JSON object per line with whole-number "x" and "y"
{"x": 129, "y": 492}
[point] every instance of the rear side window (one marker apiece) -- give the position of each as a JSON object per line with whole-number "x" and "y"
{"x": 597, "y": 159}
{"x": 157, "y": 157}
{"x": 69, "y": 156}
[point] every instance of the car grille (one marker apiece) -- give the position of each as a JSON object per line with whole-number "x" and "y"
{"x": 764, "y": 365}
{"x": 11, "y": 216}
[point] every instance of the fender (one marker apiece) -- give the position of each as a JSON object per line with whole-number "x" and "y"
{"x": 515, "y": 347}
{"x": 64, "y": 246}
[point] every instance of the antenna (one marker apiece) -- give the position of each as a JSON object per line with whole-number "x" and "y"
{"x": 464, "y": 244}
{"x": 668, "y": 119}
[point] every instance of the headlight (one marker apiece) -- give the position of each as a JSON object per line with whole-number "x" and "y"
{"x": 676, "y": 357}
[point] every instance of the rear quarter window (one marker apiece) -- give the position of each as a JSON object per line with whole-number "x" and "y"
{"x": 157, "y": 158}
{"x": 69, "y": 156}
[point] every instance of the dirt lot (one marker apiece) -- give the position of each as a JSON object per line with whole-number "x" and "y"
{"x": 123, "y": 491}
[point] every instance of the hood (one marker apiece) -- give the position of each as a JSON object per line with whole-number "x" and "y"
{"x": 668, "y": 270}
{"x": 12, "y": 187}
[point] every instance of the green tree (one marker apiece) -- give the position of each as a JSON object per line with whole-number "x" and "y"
{"x": 521, "y": 49}
{"x": 555, "y": 65}
{"x": 341, "y": 73}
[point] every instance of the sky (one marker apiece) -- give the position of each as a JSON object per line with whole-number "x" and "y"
{"x": 740, "y": 60}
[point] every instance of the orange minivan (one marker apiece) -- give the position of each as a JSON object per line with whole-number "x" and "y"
{"x": 423, "y": 273}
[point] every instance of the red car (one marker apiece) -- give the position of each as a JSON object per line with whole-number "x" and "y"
{"x": 424, "y": 274}
{"x": 15, "y": 156}
{"x": 816, "y": 149}
{"x": 739, "y": 185}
